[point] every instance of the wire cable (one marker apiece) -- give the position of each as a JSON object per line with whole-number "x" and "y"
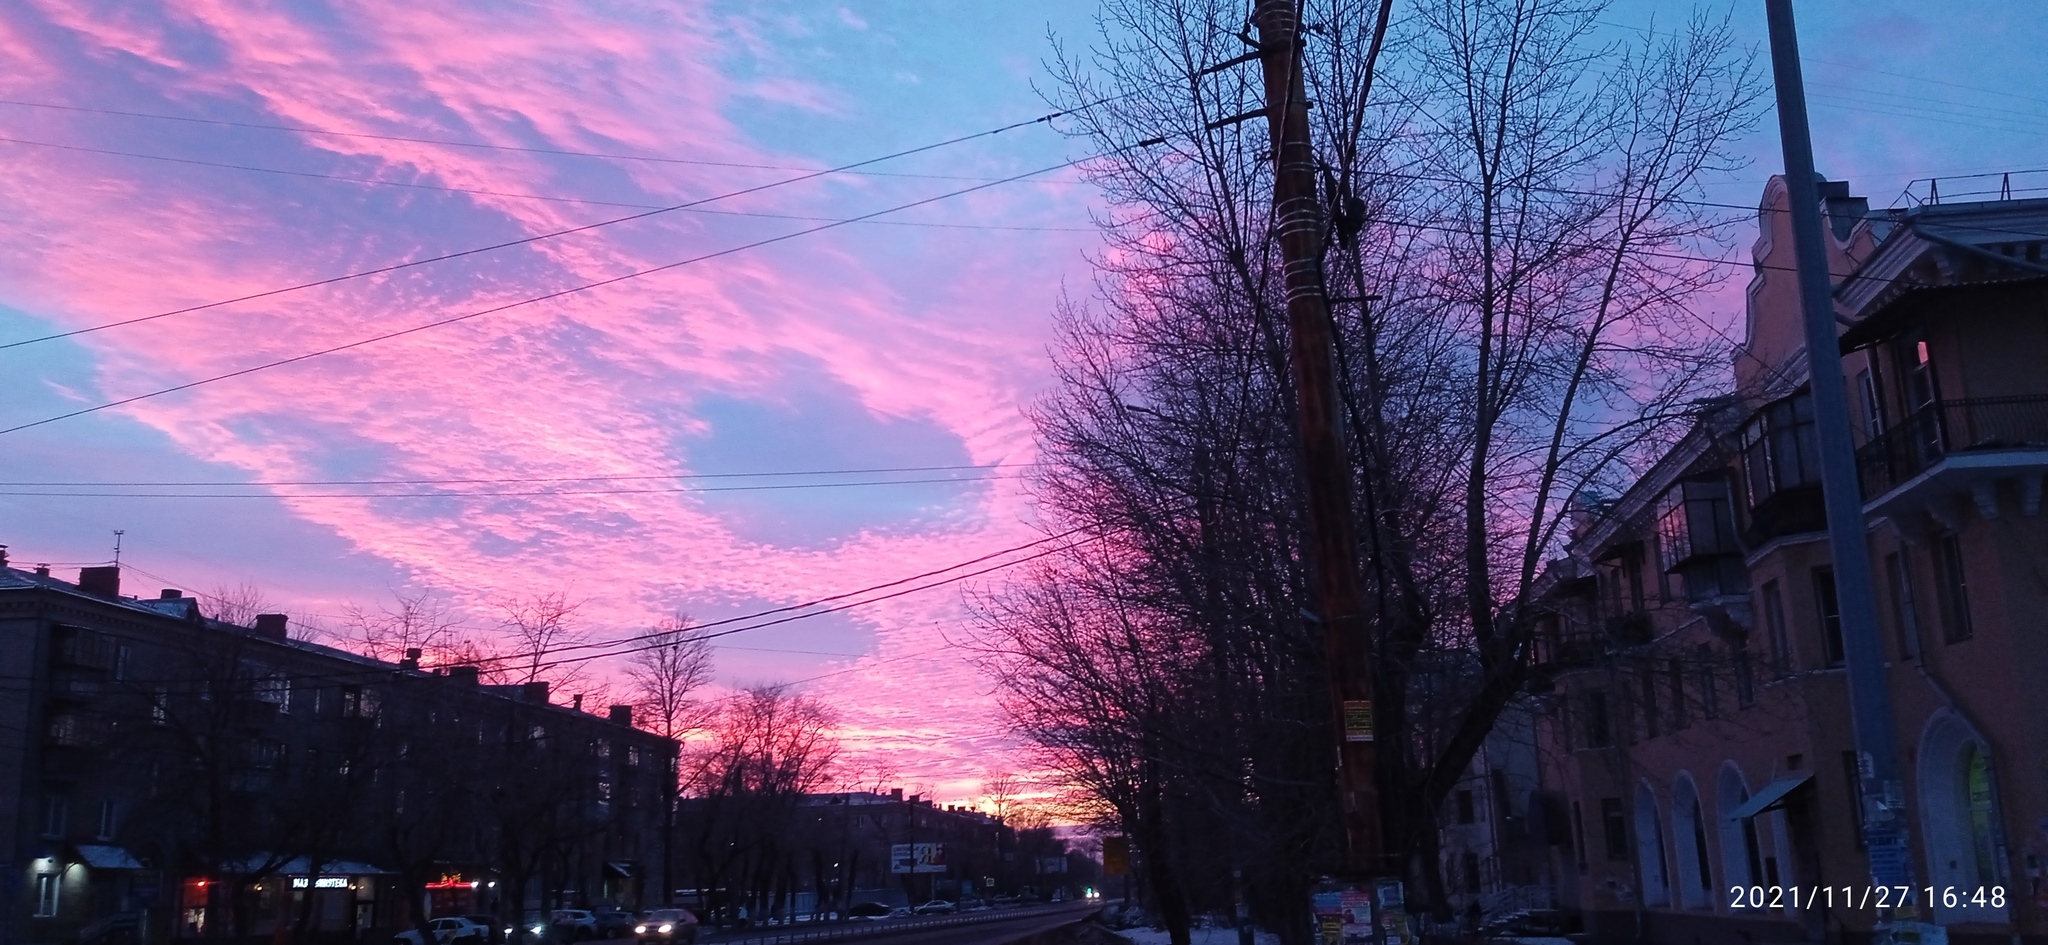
{"x": 585, "y": 287}
{"x": 522, "y": 241}
{"x": 523, "y": 480}
{"x": 678, "y": 490}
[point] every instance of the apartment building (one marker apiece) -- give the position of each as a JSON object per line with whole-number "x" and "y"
{"x": 1698, "y": 723}
{"x": 166, "y": 775}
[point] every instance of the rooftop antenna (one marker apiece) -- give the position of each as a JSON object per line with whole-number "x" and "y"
{"x": 1933, "y": 190}
{"x": 117, "y": 546}
{"x": 2005, "y": 186}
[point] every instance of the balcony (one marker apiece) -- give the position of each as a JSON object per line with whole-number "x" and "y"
{"x": 1957, "y": 447}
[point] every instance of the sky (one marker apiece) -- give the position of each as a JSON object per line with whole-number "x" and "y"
{"x": 168, "y": 155}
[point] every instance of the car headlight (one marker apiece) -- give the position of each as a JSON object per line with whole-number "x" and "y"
{"x": 667, "y": 928}
{"x": 539, "y": 929}
{"x": 640, "y": 929}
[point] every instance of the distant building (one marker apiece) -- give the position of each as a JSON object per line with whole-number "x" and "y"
{"x": 176, "y": 775}
{"x": 1698, "y": 729}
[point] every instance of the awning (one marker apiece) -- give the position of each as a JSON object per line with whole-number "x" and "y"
{"x": 624, "y": 868}
{"x": 1771, "y": 797}
{"x": 107, "y": 858}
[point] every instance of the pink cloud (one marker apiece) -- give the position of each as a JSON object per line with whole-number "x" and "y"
{"x": 606, "y": 383}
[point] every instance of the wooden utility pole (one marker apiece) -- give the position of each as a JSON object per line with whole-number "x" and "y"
{"x": 1333, "y": 547}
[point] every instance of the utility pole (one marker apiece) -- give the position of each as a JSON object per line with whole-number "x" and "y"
{"x": 1333, "y": 547}
{"x": 1883, "y": 789}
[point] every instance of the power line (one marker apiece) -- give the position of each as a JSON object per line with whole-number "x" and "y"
{"x": 394, "y": 267}
{"x": 624, "y": 478}
{"x": 477, "y": 145}
{"x": 938, "y": 577}
{"x": 585, "y": 287}
{"x": 440, "y": 188}
{"x": 504, "y": 494}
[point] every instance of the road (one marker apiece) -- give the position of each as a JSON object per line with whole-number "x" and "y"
{"x": 973, "y": 928}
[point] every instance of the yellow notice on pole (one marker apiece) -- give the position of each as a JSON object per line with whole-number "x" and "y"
{"x": 1358, "y": 720}
{"x": 1116, "y": 856}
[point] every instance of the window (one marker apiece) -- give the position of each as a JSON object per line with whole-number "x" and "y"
{"x": 1679, "y": 719}
{"x": 1853, "y": 774}
{"x": 1873, "y": 406}
{"x": 352, "y": 702}
{"x": 1705, "y": 871}
{"x": 1745, "y": 679}
{"x": 1710, "y": 696}
{"x": 121, "y": 663}
{"x": 106, "y": 831}
{"x": 1614, "y": 828}
{"x": 604, "y": 748}
{"x": 1599, "y": 729}
{"x": 1954, "y": 586}
{"x": 46, "y": 895}
{"x": 1904, "y": 616}
{"x": 1780, "y": 449}
{"x": 604, "y": 795}
{"x": 276, "y": 689}
{"x": 67, "y": 729}
{"x": 1651, "y": 726}
{"x": 160, "y": 706}
{"x": 1466, "y": 814}
{"x": 1829, "y": 609}
{"x": 1695, "y": 520}
{"x": 1471, "y": 870}
{"x": 56, "y": 810}
{"x": 1579, "y": 834}
{"x": 1774, "y": 626}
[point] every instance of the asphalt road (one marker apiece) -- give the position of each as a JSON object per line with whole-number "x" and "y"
{"x": 972, "y": 928}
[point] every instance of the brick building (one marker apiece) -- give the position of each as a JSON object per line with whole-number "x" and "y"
{"x": 1699, "y": 731}
{"x": 173, "y": 775}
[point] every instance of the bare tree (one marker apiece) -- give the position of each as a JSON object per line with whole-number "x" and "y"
{"x": 766, "y": 747}
{"x": 533, "y": 628}
{"x": 410, "y": 621}
{"x": 1510, "y": 233}
{"x": 237, "y": 604}
{"x": 671, "y": 665}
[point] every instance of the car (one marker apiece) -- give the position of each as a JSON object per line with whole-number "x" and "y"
{"x": 868, "y": 910}
{"x": 448, "y": 931}
{"x": 494, "y": 930}
{"x": 612, "y": 923}
{"x": 935, "y": 907}
{"x": 666, "y": 925}
{"x": 574, "y": 924}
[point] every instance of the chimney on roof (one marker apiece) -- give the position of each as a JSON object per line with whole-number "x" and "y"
{"x": 270, "y": 626}
{"x": 412, "y": 658}
{"x": 536, "y": 691}
{"x": 100, "y": 582}
{"x": 169, "y": 593}
{"x": 3, "y": 556}
{"x": 896, "y": 794}
{"x": 622, "y": 715}
{"x": 42, "y": 570}
{"x": 466, "y": 675}
{"x": 576, "y": 702}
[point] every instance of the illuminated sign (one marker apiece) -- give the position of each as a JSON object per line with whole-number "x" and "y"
{"x": 322, "y": 882}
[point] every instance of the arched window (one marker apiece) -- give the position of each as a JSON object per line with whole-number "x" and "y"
{"x": 1689, "y": 831}
{"x": 1650, "y": 849}
{"x": 1959, "y": 816}
{"x": 1741, "y": 852}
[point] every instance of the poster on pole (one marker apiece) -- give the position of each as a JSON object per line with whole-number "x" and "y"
{"x": 1116, "y": 856}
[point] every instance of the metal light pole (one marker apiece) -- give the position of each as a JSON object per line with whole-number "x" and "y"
{"x": 1883, "y": 789}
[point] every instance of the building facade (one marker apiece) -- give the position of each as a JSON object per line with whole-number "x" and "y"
{"x": 166, "y": 775}
{"x": 1697, "y": 727}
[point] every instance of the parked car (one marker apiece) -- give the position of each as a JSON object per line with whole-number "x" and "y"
{"x": 666, "y": 925}
{"x": 935, "y": 907}
{"x": 497, "y": 934}
{"x": 574, "y": 924}
{"x": 612, "y": 923}
{"x": 868, "y": 910}
{"x": 448, "y": 931}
